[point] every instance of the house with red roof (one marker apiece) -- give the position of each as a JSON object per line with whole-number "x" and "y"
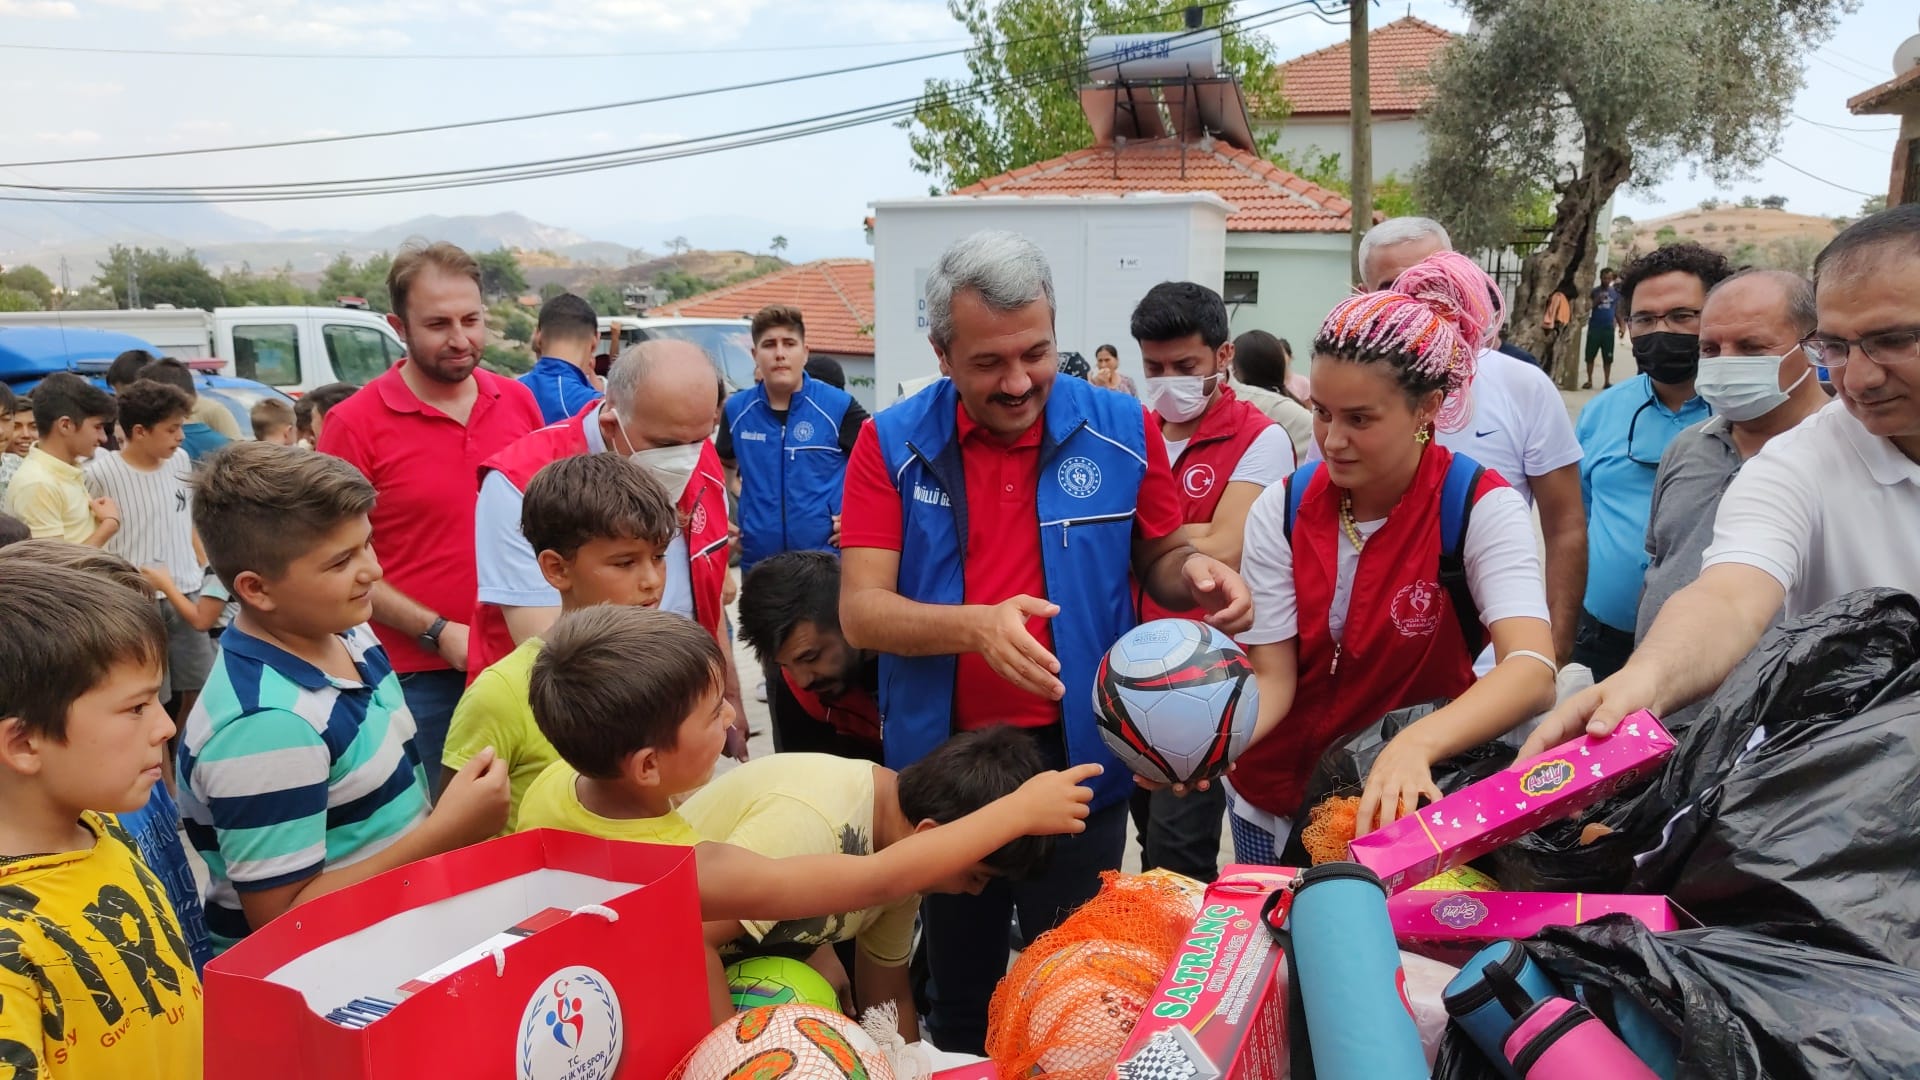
{"x": 1318, "y": 88}
{"x": 835, "y": 297}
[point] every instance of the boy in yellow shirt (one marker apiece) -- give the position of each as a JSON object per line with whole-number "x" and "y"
{"x": 632, "y": 701}
{"x": 95, "y": 979}
{"x": 600, "y": 526}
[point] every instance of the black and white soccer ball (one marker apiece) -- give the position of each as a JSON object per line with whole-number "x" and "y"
{"x": 1176, "y": 700}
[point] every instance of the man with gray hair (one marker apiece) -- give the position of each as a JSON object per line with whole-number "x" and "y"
{"x": 1518, "y": 427}
{"x": 990, "y": 525}
{"x": 659, "y": 413}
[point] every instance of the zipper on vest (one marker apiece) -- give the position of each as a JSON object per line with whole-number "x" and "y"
{"x": 1068, "y": 523}
{"x": 1334, "y": 668}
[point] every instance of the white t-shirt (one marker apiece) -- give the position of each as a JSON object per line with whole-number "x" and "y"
{"x": 156, "y": 513}
{"x": 508, "y": 569}
{"x": 1824, "y": 509}
{"x": 1502, "y": 564}
{"x": 1267, "y": 460}
{"x": 1518, "y": 425}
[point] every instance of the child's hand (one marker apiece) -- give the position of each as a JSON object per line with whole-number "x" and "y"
{"x": 1401, "y": 776}
{"x": 474, "y": 806}
{"x": 159, "y": 577}
{"x": 1056, "y": 803}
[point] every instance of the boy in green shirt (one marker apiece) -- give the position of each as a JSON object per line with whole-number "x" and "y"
{"x": 601, "y": 526}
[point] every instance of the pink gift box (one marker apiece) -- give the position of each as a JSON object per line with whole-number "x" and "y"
{"x": 1424, "y": 917}
{"x": 1506, "y": 806}
{"x": 979, "y": 1070}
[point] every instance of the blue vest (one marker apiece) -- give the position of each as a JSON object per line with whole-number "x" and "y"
{"x": 791, "y": 474}
{"x": 1092, "y": 461}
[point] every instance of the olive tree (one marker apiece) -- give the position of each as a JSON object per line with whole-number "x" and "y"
{"x": 1580, "y": 99}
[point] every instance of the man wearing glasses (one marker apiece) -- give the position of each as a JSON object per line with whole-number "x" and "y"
{"x": 1827, "y": 508}
{"x": 1623, "y": 432}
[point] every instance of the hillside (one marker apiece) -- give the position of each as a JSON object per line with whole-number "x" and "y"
{"x": 1747, "y": 235}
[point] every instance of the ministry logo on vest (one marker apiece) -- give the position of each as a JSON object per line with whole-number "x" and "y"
{"x": 803, "y": 431}
{"x": 1197, "y": 480}
{"x": 1415, "y": 610}
{"x": 570, "y": 1029}
{"x": 697, "y": 522}
{"x": 1078, "y": 477}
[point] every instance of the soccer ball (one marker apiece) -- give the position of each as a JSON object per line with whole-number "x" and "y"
{"x": 787, "y": 1042}
{"x": 776, "y": 980}
{"x": 1176, "y": 700}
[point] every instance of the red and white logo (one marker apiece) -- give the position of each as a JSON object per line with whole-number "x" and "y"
{"x": 1416, "y": 609}
{"x": 1197, "y": 480}
{"x": 697, "y": 524}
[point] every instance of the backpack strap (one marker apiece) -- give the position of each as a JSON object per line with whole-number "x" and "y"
{"x": 1457, "y": 495}
{"x": 1296, "y": 491}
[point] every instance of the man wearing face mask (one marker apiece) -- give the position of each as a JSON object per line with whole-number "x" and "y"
{"x": 1756, "y": 378}
{"x": 659, "y": 413}
{"x": 1225, "y": 452}
{"x": 1623, "y": 432}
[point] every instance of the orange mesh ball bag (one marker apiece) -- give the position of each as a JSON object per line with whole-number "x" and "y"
{"x": 1071, "y": 1000}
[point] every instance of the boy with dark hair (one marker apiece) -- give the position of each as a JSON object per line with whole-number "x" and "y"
{"x": 297, "y": 771}
{"x": 151, "y": 480}
{"x": 97, "y": 980}
{"x": 9, "y": 461}
{"x": 272, "y": 421}
{"x": 13, "y": 530}
{"x": 198, "y": 436}
{"x": 565, "y": 341}
{"x": 125, "y": 369}
{"x": 824, "y": 698}
{"x": 310, "y": 412}
{"x": 600, "y": 525}
{"x": 48, "y": 491}
{"x": 26, "y": 430}
{"x": 632, "y": 701}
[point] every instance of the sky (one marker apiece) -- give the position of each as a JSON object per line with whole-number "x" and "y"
{"x": 378, "y": 64}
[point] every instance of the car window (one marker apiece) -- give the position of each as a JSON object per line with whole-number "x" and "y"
{"x": 358, "y": 353}
{"x": 730, "y": 346}
{"x": 268, "y": 353}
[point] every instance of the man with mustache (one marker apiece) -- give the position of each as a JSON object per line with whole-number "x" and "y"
{"x": 1827, "y": 508}
{"x": 419, "y": 433}
{"x": 990, "y": 524}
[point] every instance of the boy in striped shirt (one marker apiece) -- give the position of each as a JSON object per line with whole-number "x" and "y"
{"x": 298, "y": 773}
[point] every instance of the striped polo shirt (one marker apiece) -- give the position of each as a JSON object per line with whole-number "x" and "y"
{"x": 286, "y": 771}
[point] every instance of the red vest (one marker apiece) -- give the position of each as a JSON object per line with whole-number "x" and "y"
{"x": 1402, "y": 644}
{"x": 1202, "y": 471}
{"x": 856, "y": 714}
{"x": 703, "y": 506}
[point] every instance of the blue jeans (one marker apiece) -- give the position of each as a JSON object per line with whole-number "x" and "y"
{"x": 966, "y": 935}
{"x": 431, "y": 696}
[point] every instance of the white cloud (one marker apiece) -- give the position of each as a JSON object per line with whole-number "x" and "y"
{"x": 892, "y": 20}
{"x": 76, "y": 137}
{"x": 721, "y": 19}
{"x": 39, "y": 9}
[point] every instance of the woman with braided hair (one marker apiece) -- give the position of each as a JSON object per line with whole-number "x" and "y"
{"x": 1378, "y": 574}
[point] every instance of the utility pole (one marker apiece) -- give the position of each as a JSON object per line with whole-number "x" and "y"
{"x": 1360, "y": 98}
{"x": 133, "y": 284}
{"x": 66, "y": 285}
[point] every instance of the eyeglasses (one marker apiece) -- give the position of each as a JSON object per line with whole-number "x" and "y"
{"x": 1679, "y": 320}
{"x": 1883, "y": 348}
{"x": 1631, "y": 425}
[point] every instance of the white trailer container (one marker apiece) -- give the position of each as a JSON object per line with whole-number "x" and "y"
{"x": 1106, "y": 252}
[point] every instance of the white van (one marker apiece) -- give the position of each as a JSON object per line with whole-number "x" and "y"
{"x": 728, "y": 342}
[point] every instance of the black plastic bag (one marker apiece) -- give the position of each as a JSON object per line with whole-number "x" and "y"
{"x": 1343, "y": 770}
{"x": 1825, "y": 666}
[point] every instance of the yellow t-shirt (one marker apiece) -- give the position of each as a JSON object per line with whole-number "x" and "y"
{"x": 805, "y": 804}
{"x": 553, "y": 802}
{"x": 96, "y": 979}
{"x": 494, "y": 712}
{"x": 50, "y": 496}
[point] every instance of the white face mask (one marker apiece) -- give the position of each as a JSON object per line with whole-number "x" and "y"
{"x": 1180, "y": 398}
{"x": 1743, "y": 388}
{"x": 672, "y": 466}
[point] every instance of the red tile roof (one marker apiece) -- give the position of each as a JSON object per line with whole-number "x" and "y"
{"x": 835, "y": 296}
{"x": 1399, "y": 55}
{"x": 1265, "y": 197}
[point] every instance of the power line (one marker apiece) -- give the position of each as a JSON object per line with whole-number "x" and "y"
{"x": 1840, "y": 127}
{"x": 1839, "y": 133}
{"x": 481, "y": 176}
{"x": 411, "y": 57}
{"x": 1822, "y": 179}
{"x": 552, "y": 113}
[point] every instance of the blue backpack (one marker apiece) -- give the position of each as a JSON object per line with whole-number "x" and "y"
{"x": 1456, "y": 509}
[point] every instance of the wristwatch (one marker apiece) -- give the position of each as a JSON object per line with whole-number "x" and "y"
{"x": 430, "y": 639}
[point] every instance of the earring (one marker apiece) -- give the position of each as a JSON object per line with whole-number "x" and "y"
{"x": 1421, "y": 436}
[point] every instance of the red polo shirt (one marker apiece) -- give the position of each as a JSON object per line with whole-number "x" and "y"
{"x": 425, "y": 466}
{"x": 1003, "y": 545}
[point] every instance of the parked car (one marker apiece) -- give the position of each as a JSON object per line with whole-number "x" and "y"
{"x": 728, "y": 342}
{"x": 31, "y": 353}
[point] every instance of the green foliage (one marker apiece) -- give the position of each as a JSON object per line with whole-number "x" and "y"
{"x": 1392, "y": 196}
{"x": 29, "y": 279}
{"x": 1020, "y": 101}
{"x": 607, "y": 299}
{"x": 500, "y": 276}
{"x": 778, "y": 245}
{"x": 551, "y": 290}
{"x": 506, "y": 360}
{"x": 247, "y": 289}
{"x": 1749, "y": 202}
{"x": 1666, "y": 235}
{"x": 367, "y": 280}
{"x": 18, "y": 300}
{"x": 1710, "y": 227}
{"x": 1774, "y": 202}
{"x": 1710, "y": 204}
{"x": 163, "y": 278}
{"x": 1872, "y": 204}
{"x": 680, "y": 284}
{"x": 517, "y": 325}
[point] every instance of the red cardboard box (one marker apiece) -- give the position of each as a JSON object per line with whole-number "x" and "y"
{"x": 1513, "y": 802}
{"x": 1222, "y": 1007}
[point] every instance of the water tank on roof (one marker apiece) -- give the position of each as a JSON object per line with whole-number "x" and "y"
{"x": 1177, "y": 55}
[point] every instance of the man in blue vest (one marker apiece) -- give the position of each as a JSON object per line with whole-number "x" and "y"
{"x": 785, "y": 442}
{"x": 992, "y": 520}
{"x": 565, "y": 340}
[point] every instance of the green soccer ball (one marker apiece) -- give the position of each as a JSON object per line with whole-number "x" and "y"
{"x": 776, "y": 980}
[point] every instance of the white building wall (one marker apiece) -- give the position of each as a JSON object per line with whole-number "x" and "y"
{"x": 1398, "y": 142}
